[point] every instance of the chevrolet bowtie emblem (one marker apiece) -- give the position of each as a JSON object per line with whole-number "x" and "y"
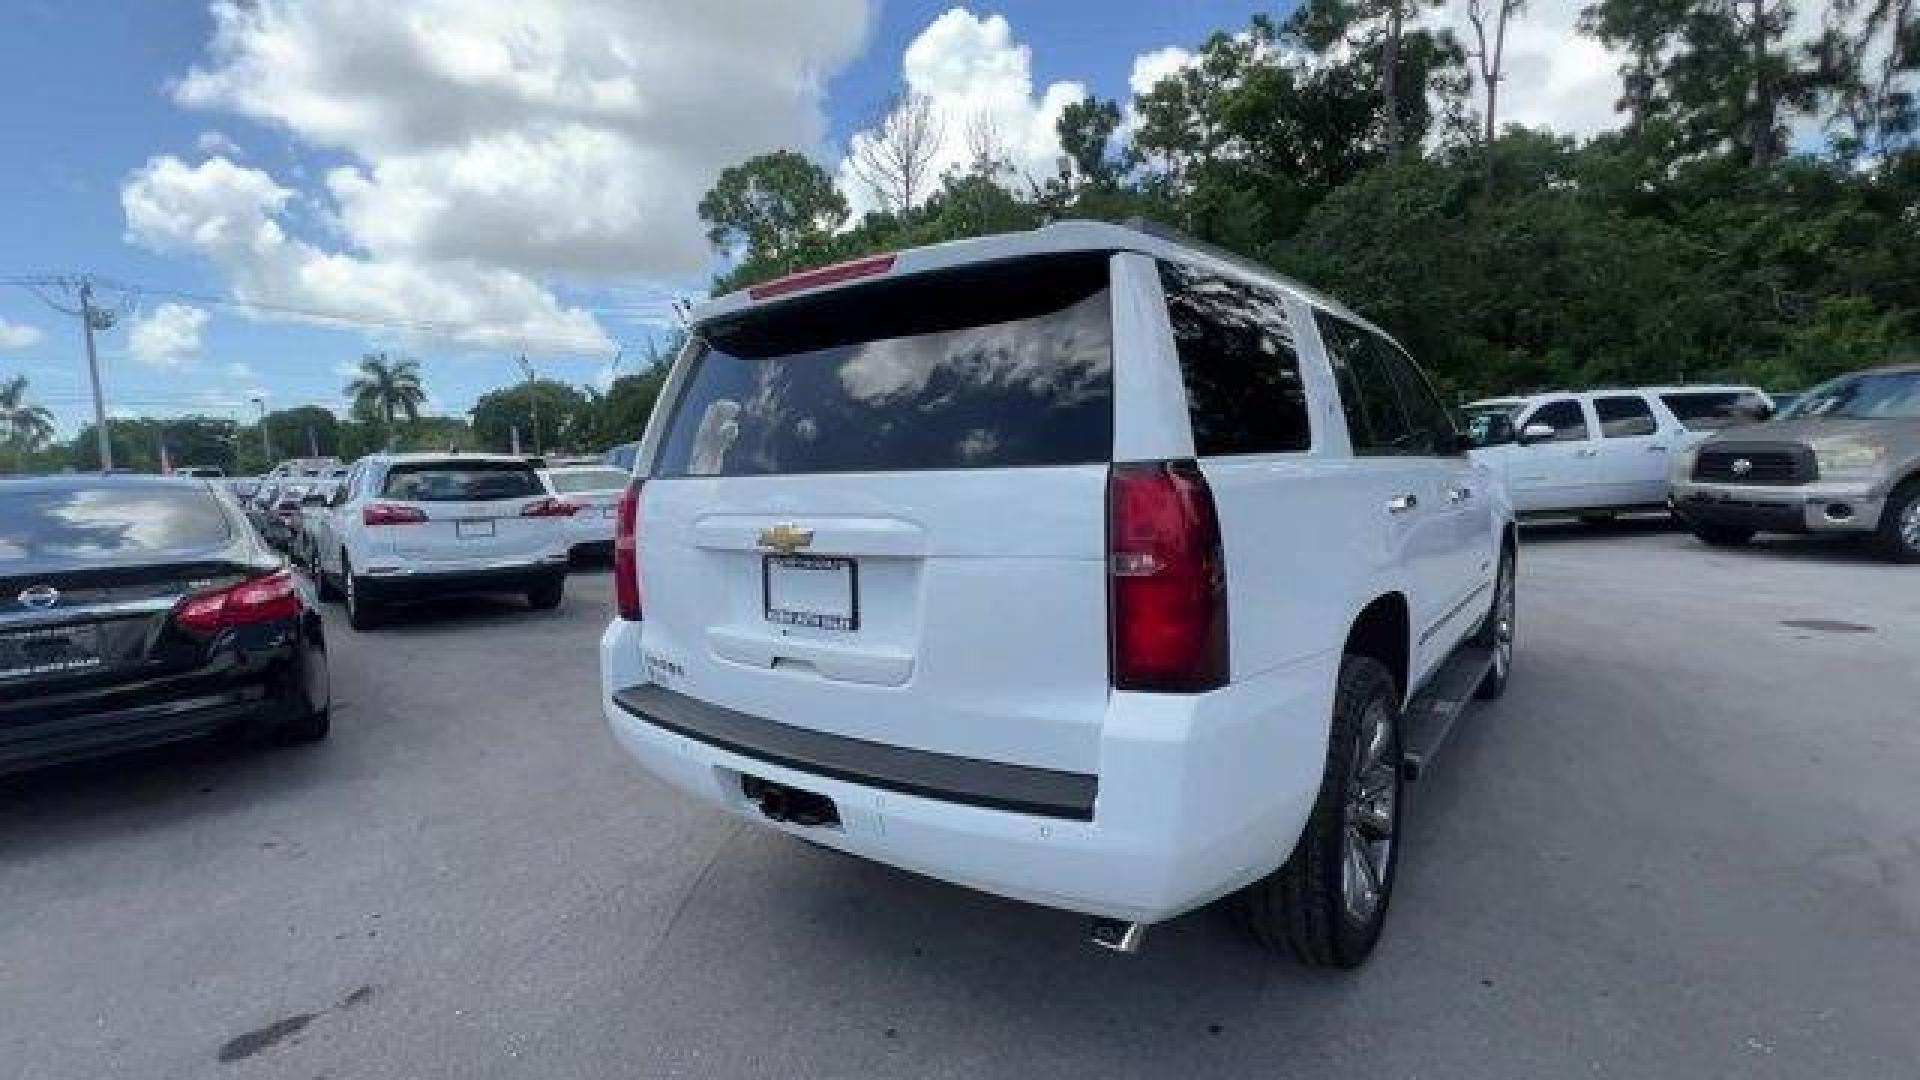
{"x": 785, "y": 539}
{"x": 1741, "y": 466}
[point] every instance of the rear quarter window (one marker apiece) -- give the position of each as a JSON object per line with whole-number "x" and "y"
{"x": 1002, "y": 365}
{"x": 1244, "y": 393}
{"x": 460, "y": 481}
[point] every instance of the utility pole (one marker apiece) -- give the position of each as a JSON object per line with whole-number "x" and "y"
{"x": 91, "y": 318}
{"x": 266, "y": 440}
{"x": 533, "y": 399}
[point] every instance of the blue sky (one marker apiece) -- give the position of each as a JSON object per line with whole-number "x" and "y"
{"x": 569, "y": 215}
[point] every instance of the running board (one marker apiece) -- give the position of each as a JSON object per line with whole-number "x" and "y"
{"x": 1431, "y": 714}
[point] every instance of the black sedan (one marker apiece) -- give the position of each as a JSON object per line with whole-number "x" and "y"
{"x": 137, "y": 610}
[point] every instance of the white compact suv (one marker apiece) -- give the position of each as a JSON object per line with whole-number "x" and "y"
{"x": 1599, "y": 452}
{"x": 1083, "y": 566}
{"x": 403, "y": 526}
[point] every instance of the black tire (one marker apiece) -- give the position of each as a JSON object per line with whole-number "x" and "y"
{"x": 1303, "y": 908}
{"x": 1721, "y": 535}
{"x": 1898, "y": 537}
{"x": 547, "y": 595}
{"x": 1497, "y": 631}
{"x": 363, "y": 612}
{"x": 323, "y": 585}
{"x": 310, "y": 728}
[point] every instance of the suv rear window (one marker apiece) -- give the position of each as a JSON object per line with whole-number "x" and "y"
{"x": 1001, "y": 365}
{"x": 88, "y": 521}
{"x": 1712, "y": 410}
{"x": 460, "y": 481}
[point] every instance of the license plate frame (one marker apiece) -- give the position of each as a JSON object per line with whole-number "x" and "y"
{"x": 475, "y": 529}
{"x": 18, "y": 662}
{"x": 812, "y": 620}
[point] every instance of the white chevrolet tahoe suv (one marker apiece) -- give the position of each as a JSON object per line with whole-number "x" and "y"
{"x": 405, "y": 526}
{"x": 1083, "y": 566}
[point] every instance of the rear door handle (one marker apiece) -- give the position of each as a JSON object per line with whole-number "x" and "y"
{"x": 1402, "y": 504}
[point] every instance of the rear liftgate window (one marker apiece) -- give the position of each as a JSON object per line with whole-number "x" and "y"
{"x": 460, "y": 481}
{"x": 1001, "y": 365}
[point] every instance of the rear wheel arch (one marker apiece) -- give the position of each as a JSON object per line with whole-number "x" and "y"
{"x": 1384, "y": 631}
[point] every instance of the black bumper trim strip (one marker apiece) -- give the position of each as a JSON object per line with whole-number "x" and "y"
{"x": 996, "y": 785}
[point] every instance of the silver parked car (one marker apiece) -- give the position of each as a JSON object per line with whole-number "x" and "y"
{"x": 1845, "y": 458}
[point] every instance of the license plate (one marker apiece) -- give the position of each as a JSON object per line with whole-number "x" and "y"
{"x": 812, "y": 591}
{"x": 473, "y": 528}
{"x": 53, "y": 651}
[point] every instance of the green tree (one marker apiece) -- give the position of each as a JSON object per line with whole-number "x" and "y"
{"x": 776, "y": 211}
{"x": 1086, "y": 129}
{"x": 24, "y": 427}
{"x": 387, "y": 388}
{"x": 566, "y": 417}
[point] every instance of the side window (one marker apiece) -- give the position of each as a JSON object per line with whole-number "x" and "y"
{"x": 1237, "y": 359}
{"x": 1433, "y": 430}
{"x": 1624, "y": 416}
{"x": 1568, "y": 420}
{"x": 1375, "y": 422}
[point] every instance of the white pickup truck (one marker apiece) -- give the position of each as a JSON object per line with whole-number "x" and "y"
{"x": 1085, "y": 566}
{"x": 1597, "y": 453}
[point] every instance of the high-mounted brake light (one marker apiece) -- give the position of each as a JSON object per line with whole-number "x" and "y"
{"x": 548, "y": 507}
{"x": 626, "y": 553}
{"x": 825, "y": 275}
{"x": 261, "y": 599}
{"x": 391, "y": 514}
{"x": 1166, "y": 579}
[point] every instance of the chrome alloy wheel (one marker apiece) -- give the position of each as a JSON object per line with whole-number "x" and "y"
{"x": 1373, "y": 793}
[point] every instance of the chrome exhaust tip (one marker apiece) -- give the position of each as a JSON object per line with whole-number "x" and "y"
{"x": 1114, "y": 935}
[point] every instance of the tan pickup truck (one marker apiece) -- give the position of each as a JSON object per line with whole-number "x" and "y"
{"x": 1844, "y": 458}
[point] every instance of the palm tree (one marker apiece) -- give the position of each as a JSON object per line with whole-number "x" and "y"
{"x": 24, "y": 428}
{"x": 387, "y": 387}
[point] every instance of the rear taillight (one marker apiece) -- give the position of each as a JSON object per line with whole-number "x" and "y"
{"x": 626, "y": 553}
{"x": 548, "y": 507}
{"x": 821, "y": 276}
{"x": 1167, "y": 579}
{"x": 391, "y": 514}
{"x": 262, "y": 599}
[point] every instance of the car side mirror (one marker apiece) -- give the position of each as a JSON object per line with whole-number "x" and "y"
{"x": 1535, "y": 433}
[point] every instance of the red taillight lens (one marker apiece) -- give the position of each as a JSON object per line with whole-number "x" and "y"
{"x": 1167, "y": 579}
{"x": 548, "y": 508}
{"x": 825, "y": 275}
{"x": 262, "y": 599}
{"x": 391, "y": 514}
{"x": 626, "y": 553}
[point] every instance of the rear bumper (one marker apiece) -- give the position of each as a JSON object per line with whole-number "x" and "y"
{"x": 1808, "y": 508}
{"x": 1194, "y": 796}
{"x": 419, "y": 579}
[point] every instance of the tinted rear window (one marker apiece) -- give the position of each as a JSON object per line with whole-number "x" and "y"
{"x": 460, "y": 481}
{"x": 573, "y": 483}
{"x": 119, "y": 521}
{"x": 1244, "y": 393}
{"x": 995, "y": 366}
{"x": 1712, "y": 410}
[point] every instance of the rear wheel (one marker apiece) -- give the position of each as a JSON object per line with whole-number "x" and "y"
{"x": 310, "y": 728}
{"x": 1722, "y": 535}
{"x": 547, "y": 595}
{"x": 1327, "y": 903}
{"x": 1497, "y": 631}
{"x": 323, "y": 584}
{"x": 363, "y": 612}
{"x": 1898, "y": 537}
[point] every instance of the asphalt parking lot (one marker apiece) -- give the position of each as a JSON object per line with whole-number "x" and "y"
{"x": 1685, "y": 844}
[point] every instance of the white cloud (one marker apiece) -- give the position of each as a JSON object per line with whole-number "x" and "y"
{"x": 230, "y": 214}
{"x": 1149, "y": 68}
{"x": 215, "y": 143}
{"x": 540, "y": 137}
{"x": 168, "y": 336}
{"x": 971, "y": 67}
{"x": 18, "y": 335}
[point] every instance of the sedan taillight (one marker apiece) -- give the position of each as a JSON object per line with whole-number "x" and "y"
{"x": 548, "y": 507}
{"x": 257, "y": 600}
{"x": 391, "y": 514}
{"x": 626, "y": 553}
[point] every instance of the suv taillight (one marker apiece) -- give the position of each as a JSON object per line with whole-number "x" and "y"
{"x": 390, "y": 514}
{"x": 261, "y": 599}
{"x": 548, "y": 507}
{"x": 1166, "y": 579}
{"x": 626, "y": 553}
